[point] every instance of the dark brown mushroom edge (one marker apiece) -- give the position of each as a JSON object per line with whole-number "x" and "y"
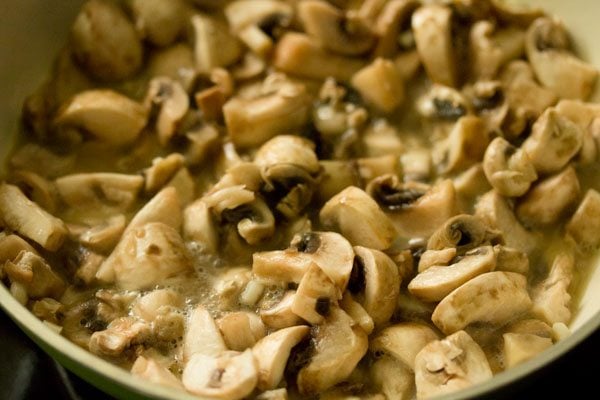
{"x": 288, "y": 199}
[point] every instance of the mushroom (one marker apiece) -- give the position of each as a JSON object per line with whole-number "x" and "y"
{"x": 38, "y": 189}
{"x": 489, "y": 102}
{"x": 508, "y": 169}
{"x": 443, "y": 103}
{"x": 202, "y": 335}
{"x": 105, "y": 115}
{"x": 520, "y": 347}
{"x": 403, "y": 341}
{"x": 105, "y": 42}
{"x": 375, "y": 282}
{"x": 357, "y": 312}
{"x": 82, "y": 318}
{"x": 392, "y": 23}
{"x": 199, "y": 226}
{"x": 159, "y": 21}
{"x": 328, "y": 250}
{"x": 432, "y": 28}
{"x": 339, "y": 344}
{"x": 547, "y": 46}
{"x": 168, "y": 101}
{"x": 48, "y": 310}
{"x": 241, "y": 330}
{"x": 272, "y": 353}
{"x": 381, "y": 139}
{"x": 22, "y": 215}
{"x": 511, "y": 260}
{"x": 287, "y": 149}
{"x": 275, "y": 394}
{"x": 119, "y": 335}
{"x": 466, "y": 144}
{"x": 380, "y": 84}
{"x": 553, "y": 142}
{"x": 531, "y": 327}
{"x": 11, "y": 246}
{"x": 520, "y": 15}
{"x": 41, "y": 160}
{"x": 281, "y": 315}
{"x": 470, "y": 185}
{"x": 298, "y": 54}
{"x": 395, "y": 380}
{"x": 164, "y": 207}
{"x": 370, "y": 168}
{"x": 492, "y": 47}
{"x": 341, "y": 33}
{"x": 497, "y": 213}
{"x": 550, "y": 199}
{"x": 432, "y": 258}
{"x": 104, "y": 236}
{"x": 214, "y": 46}
{"x": 152, "y": 305}
{"x": 37, "y": 277}
{"x": 336, "y": 175}
{"x": 463, "y": 232}
{"x": 161, "y": 171}
{"x": 315, "y": 296}
{"x": 152, "y": 371}
{"x": 98, "y": 190}
{"x": 448, "y": 365}
{"x": 254, "y": 221}
{"x": 493, "y": 297}
{"x": 551, "y": 298}
{"x": 175, "y": 62}
{"x": 583, "y": 226}
{"x": 251, "y": 122}
{"x": 415, "y": 209}
{"x": 352, "y": 205}
{"x": 230, "y": 285}
{"x": 416, "y": 165}
{"x": 145, "y": 256}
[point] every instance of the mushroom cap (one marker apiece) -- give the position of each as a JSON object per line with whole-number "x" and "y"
{"x": 288, "y": 149}
{"x": 172, "y": 102}
{"x": 463, "y": 231}
{"x": 403, "y": 341}
{"x": 202, "y": 335}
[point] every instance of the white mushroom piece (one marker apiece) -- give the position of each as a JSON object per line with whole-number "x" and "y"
{"x": 214, "y": 46}
{"x": 272, "y": 353}
{"x": 161, "y": 308}
{"x": 145, "y": 256}
{"x": 380, "y": 84}
{"x": 169, "y": 102}
{"x": 164, "y": 207}
{"x": 152, "y": 371}
{"x": 448, "y": 365}
{"x": 35, "y": 275}
{"x": 104, "y": 236}
{"x": 159, "y": 21}
{"x": 339, "y": 344}
{"x": 511, "y": 260}
{"x": 119, "y": 335}
{"x": 330, "y": 251}
{"x": 315, "y": 296}
{"x": 105, "y": 42}
{"x": 432, "y": 27}
{"x": 443, "y": 103}
{"x": 520, "y": 347}
{"x": 493, "y": 297}
{"x": 415, "y": 209}
{"x": 281, "y": 110}
{"x": 550, "y": 200}
{"x": 583, "y": 226}
{"x": 354, "y": 214}
{"x": 22, "y": 215}
{"x": 241, "y": 330}
{"x": 40, "y": 190}
{"x": 281, "y": 315}
{"x": 465, "y": 146}
{"x": 105, "y": 115}
{"x": 392, "y": 28}
{"x": 342, "y": 33}
{"x": 462, "y": 232}
{"x": 548, "y": 51}
{"x": 199, "y": 226}
{"x": 551, "y": 298}
{"x": 508, "y": 168}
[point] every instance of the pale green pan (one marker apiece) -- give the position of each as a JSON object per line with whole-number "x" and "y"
{"x": 31, "y": 33}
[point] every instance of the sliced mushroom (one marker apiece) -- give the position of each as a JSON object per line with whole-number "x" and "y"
{"x": 103, "y": 237}
{"x": 105, "y": 42}
{"x": 395, "y": 380}
{"x": 37, "y": 277}
{"x": 448, "y": 365}
{"x": 530, "y": 327}
{"x": 272, "y": 352}
{"x": 497, "y": 213}
{"x": 491, "y": 48}
{"x": 169, "y": 102}
{"x": 547, "y": 46}
{"x": 38, "y": 189}
{"x": 464, "y": 232}
{"x": 315, "y": 296}
{"x": 298, "y": 54}
{"x": 341, "y": 33}
{"x": 105, "y": 115}
{"x": 415, "y": 209}
{"x": 329, "y": 250}
{"x": 287, "y": 149}
{"x": 432, "y": 27}
{"x": 357, "y": 312}
{"x": 161, "y": 171}
{"x": 351, "y": 205}
{"x": 251, "y": 122}
{"x": 41, "y": 160}
{"x": 241, "y": 330}
{"x": 584, "y": 224}
{"x": 145, "y": 256}
{"x": 432, "y": 258}
{"x": 436, "y": 282}
{"x": 520, "y": 15}
{"x": 48, "y": 310}
{"x": 520, "y": 347}
{"x": 375, "y": 282}
{"x": 202, "y": 335}
{"x": 175, "y": 62}
{"x": 511, "y": 260}
{"x": 152, "y": 371}
{"x": 551, "y": 298}
{"x": 275, "y": 394}
{"x": 443, "y": 103}
{"x": 241, "y": 14}
{"x": 508, "y": 169}
{"x": 553, "y": 142}
{"x": 492, "y": 297}
{"x": 199, "y": 227}
{"x": 11, "y": 246}
{"x": 380, "y": 84}
{"x": 25, "y": 217}
{"x": 230, "y": 285}
{"x": 403, "y": 341}
{"x": 159, "y": 21}
{"x": 281, "y": 315}
{"x": 254, "y": 221}
{"x": 466, "y": 144}
{"x": 118, "y": 336}
{"x": 392, "y": 23}
{"x": 339, "y": 346}
{"x": 164, "y": 207}
{"x": 214, "y": 45}
{"x": 231, "y": 376}
{"x": 549, "y": 200}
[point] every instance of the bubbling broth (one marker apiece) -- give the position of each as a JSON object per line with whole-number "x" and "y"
{"x": 287, "y": 199}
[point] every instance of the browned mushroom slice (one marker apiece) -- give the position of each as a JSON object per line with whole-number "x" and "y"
{"x": 380, "y": 84}
{"x": 464, "y": 232}
{"x": 105, "y": 115}
{"x": 391, "y": 24}
{"x": 287, "y": 149}
{"x": 466, "y": 144}
{"x": 549, "y": 200}
{"x": 152, "y": 371}
{"x": 175, "y": 62}
{"x": 432, "y": 27}
{"x": 11, "y": 246}
{"x": 214, "y": 46}
{"x": 448, "y": 365}
{"x": 492, "y": 47}
{"x": 104, "y": 236}
{"x": 548, "y": 50}
{"x": 105, "y": 42}
{"x": 254, "y": 221}
{"x": 415, "y": 209}
{"x": 36, "y": 276}
{"x": 298, "y": 54}
{"x": 159, "y": 21}
{"x": 584, "y": 224}
{"x": 493, "y": 297}
{"x": 358, "y": 217}
{"x": 281, "y": 315}
{"x": 340, "y": 32}
{"x": 339, "y": 346}
{"x": 512, "y": 13}
{"x": 169, "y": 102}
{"x": 25, "y": 217}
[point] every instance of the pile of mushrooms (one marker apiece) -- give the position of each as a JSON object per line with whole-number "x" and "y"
{"x": 273, "y": 198}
